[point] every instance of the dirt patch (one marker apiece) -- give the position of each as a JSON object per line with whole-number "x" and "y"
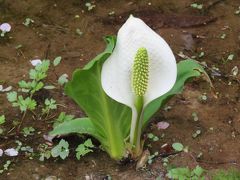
{"x": 187, "y": 30}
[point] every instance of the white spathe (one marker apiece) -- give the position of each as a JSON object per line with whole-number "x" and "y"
{"x": 116, "y": 74}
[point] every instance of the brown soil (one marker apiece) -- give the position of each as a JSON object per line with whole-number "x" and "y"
{"x": 184, "y": 28}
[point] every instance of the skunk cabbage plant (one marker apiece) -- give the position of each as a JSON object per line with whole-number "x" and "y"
{"x": 123, "y": 87}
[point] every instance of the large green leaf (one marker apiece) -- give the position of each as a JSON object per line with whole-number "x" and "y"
{"x": 187, "y": 69}
{"x": 111, "y": 119}
{"x": 79, "y": 125}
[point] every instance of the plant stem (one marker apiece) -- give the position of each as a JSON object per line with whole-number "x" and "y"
{"x": 136, "y": 127}
{"x": 19, "y": 127}
{"x": 137, "y": 148}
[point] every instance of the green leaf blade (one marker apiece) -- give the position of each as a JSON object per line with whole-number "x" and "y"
{"x": 110, "y": 118}
{"x": 80, "y": 126}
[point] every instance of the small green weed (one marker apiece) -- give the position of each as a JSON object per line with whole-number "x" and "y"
{"x": 28, "y": 21}
{"x": 45, "y": 152}
{"x": 63, "y": 117}
{"x": 61, "y": 150}
{"x": 90, "y": 6}
{"x": 197, "y": 6}
{"x": 177, "y": 147}
{"x": 5, "y": 166}
{"x": 84, "y": 149}
{"x": 231, "y": 174}
{"x": 186, "y": 173}
{"x": 24, "y": 97}
{"x": 152, "y": 157}
{"x": 50, "y": 104}
{"x": 152, "y": 137}
{"x": 63, "y": 79}
{"x": 237, "y": 12}
{"x": 27, "y": 131}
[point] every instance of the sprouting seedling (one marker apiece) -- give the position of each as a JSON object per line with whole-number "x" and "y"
{"x": 79, "y": 32}
{"x": 37, "y": 75}
{"x": 28, "y": 131}
{"x": 201, "y": 54}
{"x": 24, "y": 97}
{"x": 63, "y": 79}
{"x": 230, "y": 57}
{"x": 234, "y": 71}
{"x": 28, "y": 21}
{"x": 5, "y": 166}
{"x": 195, "y": 116}
{"x": 5, "y": 28}
{"x": 90, "y": 6}
{"x": 203, "y": 97}
{"x": 223, "y": 36}
{"x": 111, "y": 13}
{"x": 196, "y": 133}
{"x": 63, "y": 117}
{"x": 186, "y": 173}
{"x": 151, "y": 157}
{"x": 50, "y": 104}
{"x": 237, "y": 12}
{"x": 152, "y": 137}
{"x": 197, "y": 6}
{"x": 2, "y": 119}
{"x": 84, "y": 148}
{"x": 24, "y": 104}
{"x": 44, "y": 152}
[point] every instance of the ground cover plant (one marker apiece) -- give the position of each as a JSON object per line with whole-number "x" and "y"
{"x": 192, "y": 134}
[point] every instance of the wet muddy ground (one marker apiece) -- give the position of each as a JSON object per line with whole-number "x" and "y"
{"x": 214, "y": 30}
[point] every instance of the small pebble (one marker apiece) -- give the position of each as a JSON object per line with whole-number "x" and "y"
{"x": 11, "y": 152}
{"x": 5, "y": 27}
{"x": 51, "y": 178}
{"x": 162, "y": 125}
{"x": 36, "y": 176}
{"x": 35, "y": 62}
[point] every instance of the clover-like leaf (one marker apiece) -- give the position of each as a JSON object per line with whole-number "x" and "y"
{"x": 61, "y": 150}
{"x": 12, "y": 96}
